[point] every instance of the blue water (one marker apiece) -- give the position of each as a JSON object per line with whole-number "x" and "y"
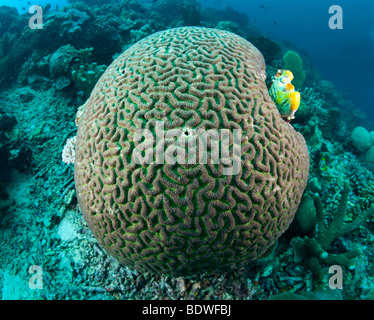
{"x": 345, "y": 56}
{"x": 24, "y": 5}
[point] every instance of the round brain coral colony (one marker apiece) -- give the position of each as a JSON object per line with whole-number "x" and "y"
{"x": 183, "y": 163}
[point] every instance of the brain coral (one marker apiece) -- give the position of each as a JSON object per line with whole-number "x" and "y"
{"x": 187, "y": 218}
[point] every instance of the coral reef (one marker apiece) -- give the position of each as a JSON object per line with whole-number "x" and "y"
{"x": 14, "y": 153}
{"x": 314, "y": 251}
{"x": 40, "y": 220}
{"x": 327, "y": 294}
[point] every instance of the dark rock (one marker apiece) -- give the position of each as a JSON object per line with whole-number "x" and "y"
{"x": 38, "y": 82}
{"x": 20, "y": 157}
{"x": 268, "y": 48}
{"x": 7, "y": 122}
{"x": 26, "y": 96}
{"x": 60, "y": 60}
{"x": 61, "y": 83}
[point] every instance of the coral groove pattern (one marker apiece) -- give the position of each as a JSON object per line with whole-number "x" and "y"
{"x": 187, "y": 218}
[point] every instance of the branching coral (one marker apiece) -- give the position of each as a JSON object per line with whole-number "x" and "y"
{"x": 313, "y": 252}
{"x": 86, "y": 74}
{"x": 311, "y": 108}
{"x": 86, "y": 77}
{"x": 312, "y": 98}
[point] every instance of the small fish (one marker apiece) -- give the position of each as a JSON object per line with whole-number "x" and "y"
{"x": 283, "y": 93}
{"x": 274, "y": 23}
{"x": 265, "y": 8}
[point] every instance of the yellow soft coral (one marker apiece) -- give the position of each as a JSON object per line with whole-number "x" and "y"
{"x": 284, "y": 95}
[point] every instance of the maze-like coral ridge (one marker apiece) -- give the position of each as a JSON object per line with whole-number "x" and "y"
{"x": 187, "y": 218}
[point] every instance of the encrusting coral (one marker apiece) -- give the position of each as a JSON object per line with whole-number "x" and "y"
{"x": 180, "y": 218}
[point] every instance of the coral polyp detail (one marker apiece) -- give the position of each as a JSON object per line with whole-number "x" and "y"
{"x": 185, "y": 218}
{"x": 284, "y": 95}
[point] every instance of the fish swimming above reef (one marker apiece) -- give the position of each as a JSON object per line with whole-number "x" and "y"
{"x": 284, "y": 95}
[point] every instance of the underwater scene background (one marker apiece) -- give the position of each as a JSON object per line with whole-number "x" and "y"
{"x": 323, "y": 249}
